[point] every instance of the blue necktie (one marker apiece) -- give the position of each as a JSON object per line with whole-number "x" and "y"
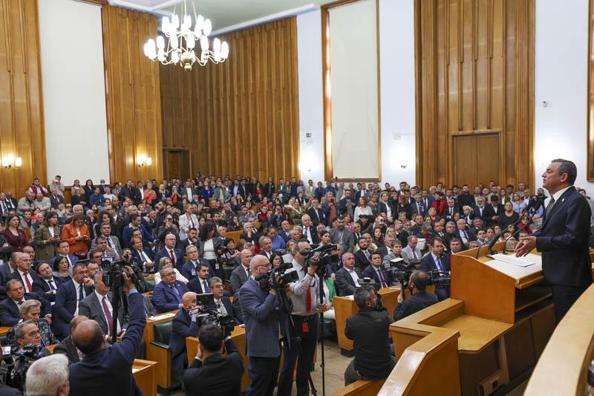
{"x": 439, "y": 266}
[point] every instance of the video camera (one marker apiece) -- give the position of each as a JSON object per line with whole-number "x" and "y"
{"x": 369, "y": 283}
{"x": 15, "y": 363}
{"x": 113, "y": 274}
{"x": 278, "y": 278}
{"x": 206, "y": 313}
{"x": 402, "y": 271}
{"x": 321, "y": 256}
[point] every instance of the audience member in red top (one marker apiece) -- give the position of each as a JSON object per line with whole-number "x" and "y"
{"x": 14, "y": 234}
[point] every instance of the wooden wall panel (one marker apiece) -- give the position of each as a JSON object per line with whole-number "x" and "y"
{"x": 21, "y": 107}
{"x": 590, "y": 140}
{"x": 239, "y": 117}
{"x": 475, "y": 75}
{"x": 133, "y": 95}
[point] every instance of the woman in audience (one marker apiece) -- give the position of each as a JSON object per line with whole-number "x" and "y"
{"x": 208, "y": 246}
{"x": 62, "y": 269}
{"x": 77, "y": 235}
{"x": 518, "y": 204}
{"x": 168, "y": 227}
{"x": 150, "y": 196}
{"x": 378, "y": 237}
{"x": 88, "y": 188}
{"x": 47, "y": 237}
{"x": 165, "y": 262}
{"x": 14, "y": 234}
{"x": 31, "y": 310}
{"x": 162, "y": 195}
{"x": 509, "y": 216}
{"x": 362, "y": 208}
{"x": 77, "y": 192}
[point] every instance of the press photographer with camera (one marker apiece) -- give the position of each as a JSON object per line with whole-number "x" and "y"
{"x": 304, "y": 329}
{"x": 107, "y": 369}
{"x": 263, "y": 318}
{"x": 419, "y": 298}
{"x": 369, "y": 330}
{"x": 211, "y": 372}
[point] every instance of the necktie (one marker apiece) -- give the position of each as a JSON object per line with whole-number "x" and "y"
{"x": 20, "y": 303}
{"x": 205, "y": 287}
{"x": 27, "y": 282}
{"x": 172, "y": 256}
{"x": 414, "y": 254}
{"x": 381, "y": 277}
{"x": 142, "y": 256}
{"x": 81, "y": 293}
{"x": 108, "y": 316}
{"x": 439, "y": 266}
{"x": 176, "y": 292}
{"x": 51, "y": 284}
{"x": 549, "y": 206}
{"x": 307, "y": 296}
{"x": 109, "y": 243}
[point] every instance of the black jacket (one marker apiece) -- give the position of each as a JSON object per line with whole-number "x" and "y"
{"x": 218, "y": 375}
{"x": 371, "y": 342}
{"x": 415, "y": 303}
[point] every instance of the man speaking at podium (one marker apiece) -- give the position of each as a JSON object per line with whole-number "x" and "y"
{"x": 563, "y": 237}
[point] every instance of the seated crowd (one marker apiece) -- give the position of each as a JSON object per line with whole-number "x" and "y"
{"x": 176, "y": 233}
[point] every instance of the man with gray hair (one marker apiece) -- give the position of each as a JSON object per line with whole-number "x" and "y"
{"x": 48, "y": 376}
{"x": 371, "y": 341}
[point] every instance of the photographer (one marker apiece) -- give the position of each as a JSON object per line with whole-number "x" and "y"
{"x": 371, "y": 341}
{"x": 263, "y": 317}
{"x": 304, "y": 297}
{"x": 213, "y": 373}
{"x": 419, "y": 299}
{"x": 27, "y": 350}
{"x": 107, "y": 370}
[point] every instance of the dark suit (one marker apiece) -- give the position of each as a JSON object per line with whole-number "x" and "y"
{"x": 181, "y": 327}
{"x": 238, "y": 277}
{"x": 189, "y": 269}
{"x": 361, "y": 260}
{"x": 196, "y": 285}
{"x": 9, "y": 310}
{"x": 164, "y": 297}
{"x": 315, "y": 238}
{"x": 489, "y": 213}
{"x": 42, "y": 287}
{"x": 563, "y": 241}
{"x": 32, "y": 278}
{"x": 91, "y": 308}
{"x": 428, "y": 264}
{"x": 109, "y": 371}
{"x": 415, "y": 303}
{"x": 142, "y": 260}
{"x": 66, "y": 347}
{"x": 317, "y": 215}
{"x": 65, "y": 306}
{"x": 345, "y": 285}
{"x": 370, "y": 272}
{"x": 218, "y": 375}
{"x": 450, "y": 212}
{"x": 179, "y": 257}
{"x": 53, "y": 261}
{"x": 231, "y": 310}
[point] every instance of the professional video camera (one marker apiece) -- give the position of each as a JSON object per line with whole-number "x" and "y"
{"x": 16, "y": 362}
{"x": 113, "y": 273}
{"x": 401, "y": 271}
{"x": 321, "y": 256}
{"x": 206, "y": 313}
{"x": 278, "y": 277}
{"x": 369, "y": 283}
{"x": 439, "y": 279}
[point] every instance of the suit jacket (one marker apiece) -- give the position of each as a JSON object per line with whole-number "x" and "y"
{"x": 195, "y": 285}
{"x": 428, "y": 263}
{"x": 66, "y": 347}
{"x": 53, "y": 261}
{"x": 471, "y": 236}
{"x": 361, "y": 261}
{"x": 230, "y": 308}
{"x": 419, "y": 208}
{"x": 9, "y": 310}
{"x": 45, "y": 251}
{"x": 450, "y": 212}
{"x": 490, "y": 213}
{"x": 32, "y": 278}
{"x": 370, "y": 272}
{"x": 317, "y": 215}
{"x": 41, "y": 287}
{"x": 563, "y": 241}
{"x": 136, "y": 257}
{"x": 114, "y": 243}
{"x": 345, "y": 285}
{"x": 181, "y": 327}
{"x": 65, "y": 307}
{"x": 238, "y": 278}
{"x": 217, "y": 375}
{"x": 315, "y": 238}
{"x": 189, "y": 270}
{"x": 407, "y": 255}
{"x": 179, "y": 257}
{"x": 164, "y": 299}
{"x": 348, "y": 239}
{"x": 109, "y": 371}
{"x": 91, "y": 307}
{"x": 262, "y": 316}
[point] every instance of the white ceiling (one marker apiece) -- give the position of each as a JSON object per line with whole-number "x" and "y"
{"x": 225, "y": 13}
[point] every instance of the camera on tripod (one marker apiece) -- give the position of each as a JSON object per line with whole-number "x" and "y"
{"x": 113, "y": 274}
{"x": 321, "y": 256}
{"x": 206, "y": 313}
{"x": 401, "y": 271}
{"x": 278, "y": 278}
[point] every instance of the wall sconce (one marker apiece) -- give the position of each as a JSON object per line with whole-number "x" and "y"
{"x": 11, "y": 161}
{"x": 143, "y": 160}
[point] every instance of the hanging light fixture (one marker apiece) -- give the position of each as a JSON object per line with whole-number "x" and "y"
{"x": 181, "y": 36}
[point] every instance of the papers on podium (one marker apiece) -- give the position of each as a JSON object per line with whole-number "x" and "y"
{"x": 516, "y": 267}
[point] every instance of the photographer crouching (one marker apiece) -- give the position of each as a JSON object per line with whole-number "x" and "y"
{"x": 304, "y": 329}
{"x": 369, "y": 330}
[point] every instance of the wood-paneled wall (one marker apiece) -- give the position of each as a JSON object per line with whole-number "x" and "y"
{"x": 474, "y": 75}
{"x": 242, "y": 116}
{"x": 21, "y": 108}
{"x": 133, "y": 95}
{"x": 590, "y": 140}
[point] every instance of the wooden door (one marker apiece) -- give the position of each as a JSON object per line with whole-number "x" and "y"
{"x": 476, "y": 158}
{"x": 177, "y": 163}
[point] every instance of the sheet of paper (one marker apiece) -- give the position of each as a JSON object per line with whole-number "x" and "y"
{"x": 514, "y": 271}
{"x": 525, "y": 261}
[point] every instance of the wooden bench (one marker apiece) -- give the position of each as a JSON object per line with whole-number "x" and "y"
{"x": 360, "y": 388}
{"x": 155, "y": 353}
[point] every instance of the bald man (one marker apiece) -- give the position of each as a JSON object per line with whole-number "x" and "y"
{"x": 107, "y": 369}
{"x": 67, "y": 347}
{"x": 184, "y": 325}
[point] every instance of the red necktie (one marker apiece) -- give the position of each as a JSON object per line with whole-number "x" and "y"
{"x": 108, "y": 316}
{"x": 29, "y": 288}
{"x": 172, "y": 256}
{"x": 307, "y": 297}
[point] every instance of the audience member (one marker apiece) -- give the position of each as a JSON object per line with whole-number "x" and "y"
{"x": 167, "y": 295}
{"x": 419, "y": 298}
{"x": 48, "y": 376}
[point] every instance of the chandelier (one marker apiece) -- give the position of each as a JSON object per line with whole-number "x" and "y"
{"x": 180, "y": 38}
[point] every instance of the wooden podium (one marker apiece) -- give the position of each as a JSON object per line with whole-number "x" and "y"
{"x": 345, "y": 307}
{"x": 499, "y": 316}
{"x": 144, "y": 372}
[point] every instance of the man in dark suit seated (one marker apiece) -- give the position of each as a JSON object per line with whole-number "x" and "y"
{"x": 222, "y": 303}
{"x": 363, "y": 255}
{"x": 9, "y": 307}
{"x": 23, "y": 272}
{"x": 107, "y": 370}
{"x": 167, "y": 295}
{"x": 199, "y": 284}
{"x": 184, "y": 324}
{"x": 144, "y": 257}
{"x": 175, "y": 255}
{"x": 419, "y": 298}
{"x": 98, "y": 306}
{"x": 211, "y": 372}
{"x": 377, "y": 272}
{"x": 563, "y": 238}
{"x": 241, "y": 273}
{"x": 437, "y": 262}
{"x": 67, "y": 347}
{"x": 46, "y": 284}
{"x": 347, "y": 276}
{"x": 190, "y": 268}
{"x": 371, "y": 341}
{"x": 6, "y": 270}
{"x": 68, "y": 297}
